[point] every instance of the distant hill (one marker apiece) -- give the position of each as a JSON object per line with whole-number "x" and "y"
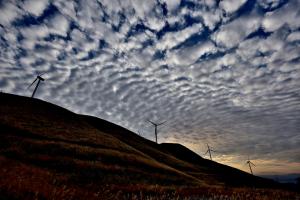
{"x": 46, "y": 148}
{"x": 284, "y": 178}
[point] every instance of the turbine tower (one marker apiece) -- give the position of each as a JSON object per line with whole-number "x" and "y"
{"x": 155, "y": 127}
{"x": 209, "y": 150}
{"x": 250, "y": 163}
{"x": 39, "y": 79}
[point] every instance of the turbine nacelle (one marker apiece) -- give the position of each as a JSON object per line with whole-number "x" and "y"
{"x": 40, "y": 78}
{"x": 250, "y": 163}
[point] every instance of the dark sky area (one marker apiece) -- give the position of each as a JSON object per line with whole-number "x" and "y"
{"x": 225, "y": 72}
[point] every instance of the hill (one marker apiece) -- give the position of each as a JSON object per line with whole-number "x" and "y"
{"x": 49, "y": 152}
{"x": 181, "y": 158}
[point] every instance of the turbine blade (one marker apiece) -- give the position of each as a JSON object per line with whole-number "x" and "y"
{"x": 252, "y": 164}
{"x": 206, "y": 152}
{"x": 32, "y": 83}
{"x": 151, "y": 122}
{"x": 161, "y": 123}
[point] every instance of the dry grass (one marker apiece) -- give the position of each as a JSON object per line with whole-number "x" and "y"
{"x": 34, "y": 183}
{"x": 47, "y": 152}
{"x": 89, "y": 180}
{"x": 80, "y": 162}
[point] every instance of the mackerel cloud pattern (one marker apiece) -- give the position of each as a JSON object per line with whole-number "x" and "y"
{"x": 225, "y": 73}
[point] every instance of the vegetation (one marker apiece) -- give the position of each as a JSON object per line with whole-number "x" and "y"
{"x": 47, "y": 152}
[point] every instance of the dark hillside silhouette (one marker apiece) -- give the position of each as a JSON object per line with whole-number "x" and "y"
{"x": 44, "y": 147}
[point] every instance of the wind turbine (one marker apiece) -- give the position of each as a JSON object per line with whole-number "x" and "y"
{"x": 209, "y": 150}
{"x": 155, "y": 126}
{"x": 250, "y": 163}
{"x": 139, "y": 133}
{"x": 39, "y": 78}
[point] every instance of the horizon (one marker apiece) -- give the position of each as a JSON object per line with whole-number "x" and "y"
{"x": 222, "y": 73}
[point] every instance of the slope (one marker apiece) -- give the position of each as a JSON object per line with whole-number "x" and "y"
{"x": 55, "y": 144}
{"x": 182, "y": 158}
{"x": 45, "y": 146}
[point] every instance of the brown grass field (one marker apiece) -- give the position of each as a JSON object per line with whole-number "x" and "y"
{"x": 48, "y": 152}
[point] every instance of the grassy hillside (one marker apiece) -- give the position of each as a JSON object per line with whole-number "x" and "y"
{"x": 48, "y": 152}
{"x": 179, "y": 157}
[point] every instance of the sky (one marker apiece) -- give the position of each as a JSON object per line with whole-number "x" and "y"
{"x": 224, "y": 73}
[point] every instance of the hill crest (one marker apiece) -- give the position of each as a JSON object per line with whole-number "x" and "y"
{"x": 51, "y": 141}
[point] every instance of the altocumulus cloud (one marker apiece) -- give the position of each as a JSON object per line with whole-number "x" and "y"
{"x": 220, "y": 72}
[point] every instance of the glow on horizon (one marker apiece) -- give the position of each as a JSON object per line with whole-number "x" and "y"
{"x": 263, "y": 167}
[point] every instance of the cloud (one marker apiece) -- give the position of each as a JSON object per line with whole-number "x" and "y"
{"x": 294, "y": 37}
{"x": 218, "y": 73}
{"x": 35, "y": 32}
{"x": 288, "y": 14}
{"x": 172, "y": 4}
{"x": 188, "y": 56}
{"x": 35, "y": 7}
{"x": 59, "y": 25}
{"x": 231, "y": 6}
{"x": 8, "y": 13}
{"x": 231, "y": 34}
{"x": 269, "y": 4}
{"x": 143, "y": 8}
{"x": 173, "y": 39}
